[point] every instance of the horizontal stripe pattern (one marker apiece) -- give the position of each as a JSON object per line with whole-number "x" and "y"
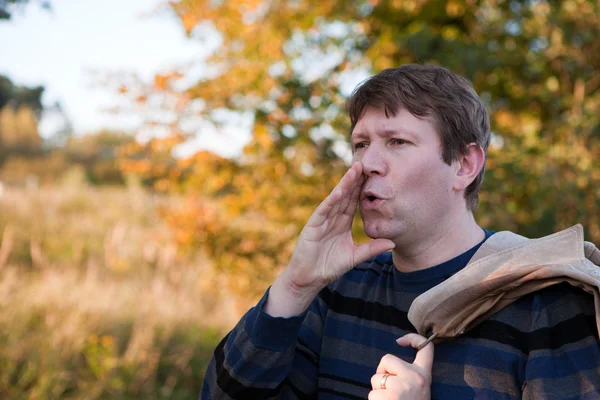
{"x": 545, "y": 343}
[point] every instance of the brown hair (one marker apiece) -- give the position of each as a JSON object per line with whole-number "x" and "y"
{"x": 430, "y": 91}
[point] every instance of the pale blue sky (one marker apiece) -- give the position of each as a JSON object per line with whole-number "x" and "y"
{"x": 61, "y": 48}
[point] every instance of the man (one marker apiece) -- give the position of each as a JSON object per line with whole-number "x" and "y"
{"x": 334, "y": 323}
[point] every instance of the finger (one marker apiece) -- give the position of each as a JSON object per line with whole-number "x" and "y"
{"x": 378, "y": 395}
{"x": 377, "y": 379}
{"x": 357, "y": 189}
{"x": 352, "y": 187}
{"x": 340, "y": 190}
{"x": 424, "y": 358}
{"x": 327, "y": 206}
{"x": 349, "y": 179}
{"x": 323, "y": 210}
{"x": 392, "y": 365}
{"x": 371, "y": 249}
{"x": 349, "y": 208}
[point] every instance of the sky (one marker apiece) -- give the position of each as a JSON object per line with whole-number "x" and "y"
{"x": 62, "y": 49}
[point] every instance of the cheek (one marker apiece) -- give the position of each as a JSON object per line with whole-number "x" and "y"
{"x": 429, "y": 179}
{"x": 417, "y": 175}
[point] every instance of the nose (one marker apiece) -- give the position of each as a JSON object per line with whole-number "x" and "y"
{"x": 373, "y": 161}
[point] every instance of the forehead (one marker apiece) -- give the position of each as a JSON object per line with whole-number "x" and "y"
{"x": 375, "y": 122}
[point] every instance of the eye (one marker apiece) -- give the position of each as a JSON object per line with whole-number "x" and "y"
{"x": 398, "y": 142}
{"x": 360, "y": 145}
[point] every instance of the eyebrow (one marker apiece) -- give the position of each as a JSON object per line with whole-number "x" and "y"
{"x": 384, "y": 133}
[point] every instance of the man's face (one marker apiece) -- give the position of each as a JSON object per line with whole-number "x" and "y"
{"x": 409, "y": 188}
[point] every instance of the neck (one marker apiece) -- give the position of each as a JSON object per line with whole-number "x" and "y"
{"x": 417, "y": 252}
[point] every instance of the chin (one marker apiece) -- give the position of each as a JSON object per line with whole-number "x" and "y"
{"x": 375, "y": 231}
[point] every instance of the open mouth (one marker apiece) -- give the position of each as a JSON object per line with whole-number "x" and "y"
{"x": 370, "y": 201}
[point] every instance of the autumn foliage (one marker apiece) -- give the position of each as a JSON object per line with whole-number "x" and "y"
{"x": 287, "y": 65}
{"x": 123, "y": 260}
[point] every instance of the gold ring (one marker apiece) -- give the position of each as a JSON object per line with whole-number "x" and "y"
{"x": 383, "y": 380}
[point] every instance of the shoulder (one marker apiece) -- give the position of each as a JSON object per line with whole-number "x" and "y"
{"x": 562, "y": 349}
{"x": 560, "y": 314}
{"x": 555, "y": 304}
{"x": 562, "y": 299}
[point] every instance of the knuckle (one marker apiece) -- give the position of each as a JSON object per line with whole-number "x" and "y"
{"x": 373, "y": 381}
{"x": 404, "y": 388}
{"x": 419, "y": 381}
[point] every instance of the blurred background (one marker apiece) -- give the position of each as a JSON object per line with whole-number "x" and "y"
{"x": 158, "y": 160}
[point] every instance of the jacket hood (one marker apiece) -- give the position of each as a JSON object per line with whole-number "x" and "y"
{"x": 506, "y": 267}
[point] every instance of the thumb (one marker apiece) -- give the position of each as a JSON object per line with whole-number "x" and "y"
{"x": 371, "y": 249}
{"x": 424, "y": 358}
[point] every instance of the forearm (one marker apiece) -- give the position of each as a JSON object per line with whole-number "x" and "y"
{"x": 254, "y": 359}
{"x": 288, "y": 300}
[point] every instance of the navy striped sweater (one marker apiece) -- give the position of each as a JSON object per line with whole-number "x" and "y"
{"x": 544, "y": 346}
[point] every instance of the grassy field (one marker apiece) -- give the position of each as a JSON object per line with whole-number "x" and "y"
{"x": 97, "y": 302}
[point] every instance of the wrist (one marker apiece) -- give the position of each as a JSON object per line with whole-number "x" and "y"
{"x": 287, "y": 299}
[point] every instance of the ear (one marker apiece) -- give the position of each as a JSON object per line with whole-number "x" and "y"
{"x": 468, "y": 166}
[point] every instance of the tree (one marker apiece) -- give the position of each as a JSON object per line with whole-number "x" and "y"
{"x": 20, "y": 109}
{"x": 99, "y": 154}
{"x": 535, "y": 63}
{"x": 20, "y": 95}
{"x": 7, "y": 7}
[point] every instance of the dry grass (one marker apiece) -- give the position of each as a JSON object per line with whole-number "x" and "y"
{"x": 97, "y": 302}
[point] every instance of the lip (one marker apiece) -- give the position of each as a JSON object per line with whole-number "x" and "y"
{"x": 369, "y": 193}
{"x": 367, "y": 204}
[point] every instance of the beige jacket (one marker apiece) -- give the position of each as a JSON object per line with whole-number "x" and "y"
{"x": 506, "y": 267}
